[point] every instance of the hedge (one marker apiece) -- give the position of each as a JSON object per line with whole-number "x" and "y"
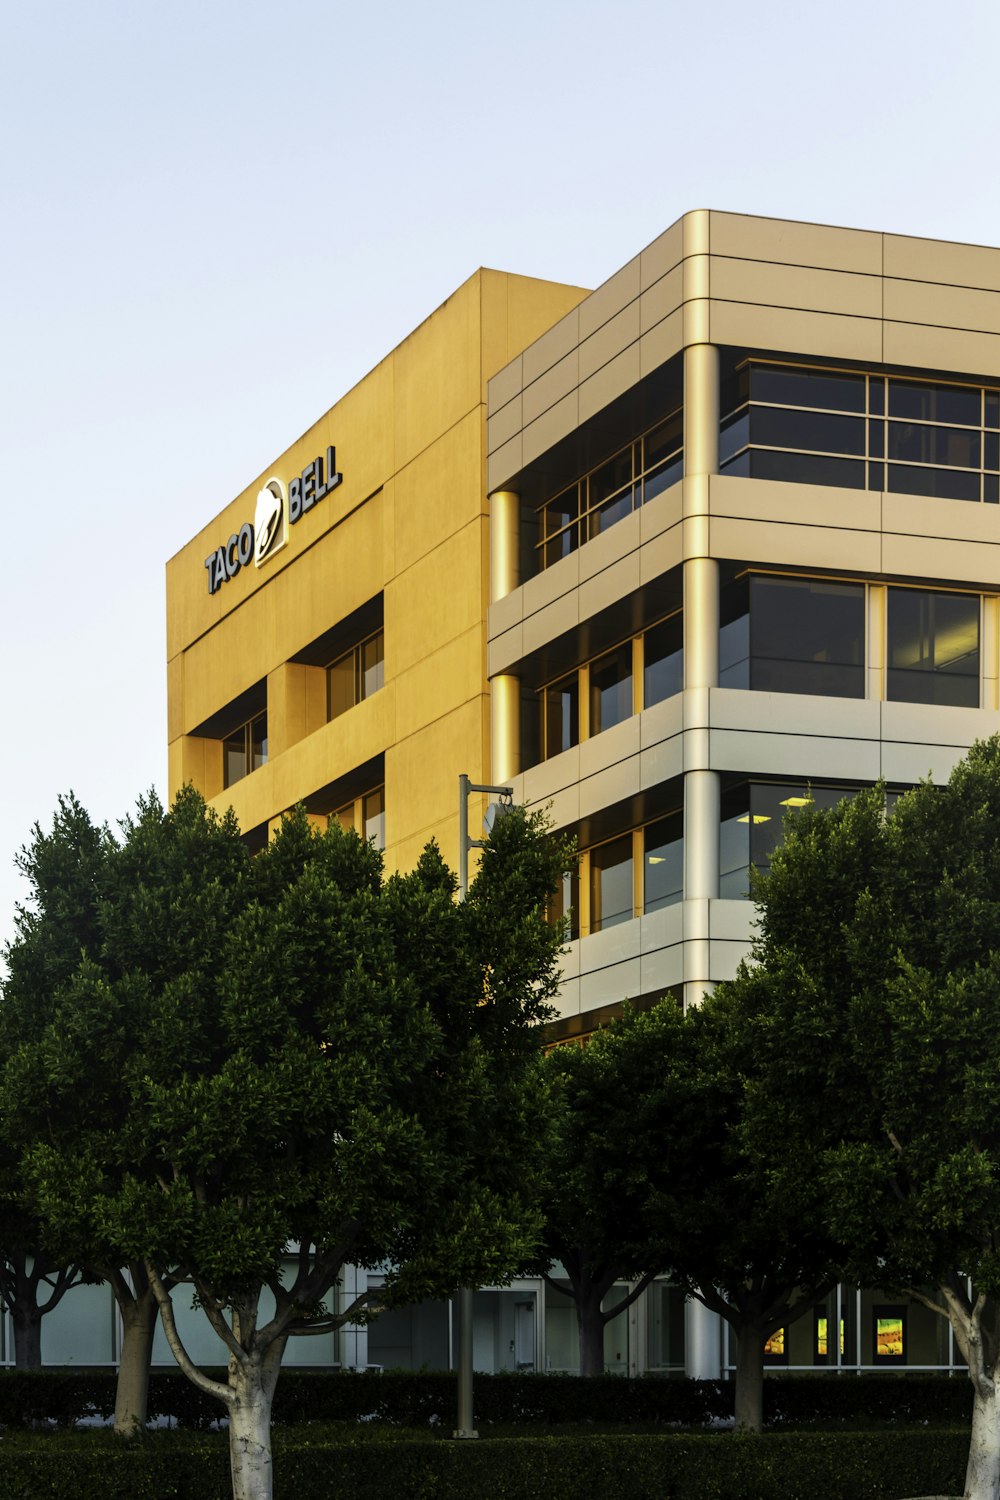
{"x": 782, "y": 1466}
{"x": 411, "y": 1398}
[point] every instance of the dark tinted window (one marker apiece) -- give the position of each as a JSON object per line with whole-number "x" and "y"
{"x": 561, "y": 715}
{"x": 807, "y": 637}
{"x": 611, "y": 689}
{"x": 934, "y": 403}
{"x": 807, "y": 388}
{"x": 611, "y": 895}
{"x": 934, "y": 445}
{"x": 806, "y": 468}
{"x": 933, "y": 652}
{"x": 663, "y": 862}
{"x": 663, "y": 661}
{"x": 807, "y": 429}
{"x": 946, "y": 484}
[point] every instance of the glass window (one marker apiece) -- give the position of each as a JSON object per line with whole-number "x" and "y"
{"x": 807, "y": 637}
{"x": 565, "y": 902}
{"x": 355, "y": 676}
{"x": 611, "y": 689}
{"x": 663, "y": 661}
{"x": 806, "y": 468}
{"x": 953, "y": 446}
{"x": 561, "y": 715}
{"x": 820, "y": 432}
{"x": 946, "y": 484}
{"x": 663, "y": 862}
{"x": 933, "y": 654}
{"x": 610, "y": 492}
{"x": 751, "y": 825}
{"x": 807, "y": 388}
{"x": 734, "y": 635}
{"x": 244, "y": 750}
{"x": 373, "y": 812}
{"x": 924, "y": 402}
{"x": 611, "y": 892}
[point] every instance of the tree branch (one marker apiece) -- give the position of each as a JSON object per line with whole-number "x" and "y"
{"x": 190, "y": 1369}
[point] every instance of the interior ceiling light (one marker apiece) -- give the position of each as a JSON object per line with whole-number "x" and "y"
{"x": 795, "y": 801}
{"x": 756, "y": 818}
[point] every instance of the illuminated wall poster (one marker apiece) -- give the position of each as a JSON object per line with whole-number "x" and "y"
{"x": 775, "y": 1348}
{"x": 889, "y": 1335}
{"x": 821, "y": 1341}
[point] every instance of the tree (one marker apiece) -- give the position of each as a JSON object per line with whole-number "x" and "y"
{"x": 893, "y": 925}
{"x": 651, "y": 1175}
{"x": 328, "y": 1067}
{"x": 53, "y": 930}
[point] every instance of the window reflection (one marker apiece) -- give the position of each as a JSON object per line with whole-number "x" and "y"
{"x": 611, "y": 890}
{"x": 933, "y": 647}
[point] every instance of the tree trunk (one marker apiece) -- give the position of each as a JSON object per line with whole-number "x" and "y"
{"x": 590, "y": 1325}
{"x": 27, "y": 1323}
{"x": 749, "y": 1394}
{"x": 982, "y": 1477}
{"x": 132, "y": 1389}
{"x": 252, "y": 1384}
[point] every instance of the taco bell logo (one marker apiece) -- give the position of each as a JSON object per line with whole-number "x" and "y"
{"x": 275, "y": 512}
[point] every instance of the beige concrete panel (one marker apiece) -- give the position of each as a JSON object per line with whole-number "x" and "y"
{"x": 923, "y": 515}
{"x": 661, "y": 929}
{"x": 831, "y": 335}
{"x": 940, "y": 559}
{"x": 609, "y": 340}
{"x": 194, "y": 760}
{"x": 659, "y": 555}
{"x": 609, "y": 786}
{"x": 562, "y": 808}
{"x": 731, "y": 921}
{"x": 661, "y": 299}
{"x": 610, "y": 747}
{"x": 796, "y": 286}
{"x": 439, "y": 493}
{"x": 725, "y": 958}
{"x": 537, "y": 309}
{"x": 941, "y": 261}
{"x": 569, "y": 960}
{"x": 551, "y": 584}
{"x": 612, "y": 380}
{"x": 662, "y": 721}
{"x": 661, "y": 969}
{"x": 252, "y": 799}
{"x": 296, "y": 705}
{"x": 796, "y": 756}
{"x": 819, "y": 548}
{"x": 661, "y": 762}
{"x": 609, "y": 298}
{"x": 547, "y": 624}
{"x": 794, "y": 504}
{"x": 567, "y": 1002}
{"x": 611, "y": 546}
{"x": 432, "y": 687}
{"x": 504, "y": 650}
{"x": 696, "y": 322}
{"x": 402, "y": 854}
{"x": 959, "y": 350}
{"x": 550, "y": 388}
{"x": 662, "y": 513}
{"x": 660, "y": 258}
{"x": 561, "y": 339}
{"x": 660, "y": 343}
{"x": 505, "y": 385}
{"x": 502, "y": 465}
{"x": 332, "y": 751}
{"x": 420, "y": 615}
{"x": 927, "y": 724}
{"x": 422, "y": 771}
{"x": 437, "y": 372}
{"x": 611, "y": 985}
{"x": 947, "y": 306}
{"x": 912, "y": 763}
{"x": 505, "y": 613}
{"x": 608, "y": 586}
{"x": 546, "y": 431}
{"x": 504, "y": 424}
{"x": 550, "y": 776}
{"x": 796, "y": 244}
{"x": 175, "y": 696}
{"x": 794, "y": 713}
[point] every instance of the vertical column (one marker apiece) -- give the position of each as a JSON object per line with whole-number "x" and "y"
{"x": 701, "y": 664}
{"x": 505, "y": 690}
{"x": 875, "y": 645}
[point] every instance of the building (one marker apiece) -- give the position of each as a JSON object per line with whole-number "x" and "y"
{"x": 667, "y": 556}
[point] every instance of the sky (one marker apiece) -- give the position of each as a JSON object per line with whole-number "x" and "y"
{"x": 217, "y": 216}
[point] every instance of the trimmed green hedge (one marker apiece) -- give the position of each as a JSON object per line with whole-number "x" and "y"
{"x": 781, "y": 1466}
{"x": 414, "y": 1399}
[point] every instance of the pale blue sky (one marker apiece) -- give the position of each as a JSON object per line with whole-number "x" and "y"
{"x": 217, "y": 216}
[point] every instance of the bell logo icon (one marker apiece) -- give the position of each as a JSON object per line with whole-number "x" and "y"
{"x": 269, "y": 528}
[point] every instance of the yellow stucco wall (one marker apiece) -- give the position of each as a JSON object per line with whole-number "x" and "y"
{"x": 409, "y": 522}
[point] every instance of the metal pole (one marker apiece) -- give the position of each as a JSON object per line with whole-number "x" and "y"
{"x": 463, "y": 1297}
{"x": 462, "y": 1300}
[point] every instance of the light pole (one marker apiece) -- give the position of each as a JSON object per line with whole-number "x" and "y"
{"x": 463, "y": 1297}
